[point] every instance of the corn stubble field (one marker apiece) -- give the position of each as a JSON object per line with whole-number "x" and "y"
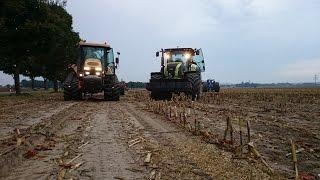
{"x": 238, "y": 133}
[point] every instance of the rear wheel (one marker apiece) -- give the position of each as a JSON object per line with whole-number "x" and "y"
{"x": 116, "y": 93}
{"x": 196, "y": 85}
{"x": 216, "y": 87}
{"x": 112, "y": 94}
{"x": 71, "y": 89}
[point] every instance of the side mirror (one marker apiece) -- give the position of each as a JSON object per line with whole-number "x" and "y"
{"x": 117, "y": 60}
{"x": 197, "y": 52}
{"x": 118, "y": 53}
{"x": 157, "y": 54}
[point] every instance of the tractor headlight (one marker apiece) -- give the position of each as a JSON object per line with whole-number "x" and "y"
{"x": 167, "y": 56}
{"x": 98, "y": 73}
{"x": 86, "y": 68}
{"x": 187, "y": 55}
{"x": 98, "y": 68}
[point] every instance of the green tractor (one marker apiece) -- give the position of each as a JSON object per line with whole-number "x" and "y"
{"x": 94, "y": 72}
{"x": 181, "y": 70}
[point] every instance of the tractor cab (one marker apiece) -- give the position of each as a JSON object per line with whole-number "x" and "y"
{"x": 94, "y": 72}
{"x": 176, "y": 61}
{"x": 96, "y": 60}
{"x": 181, "y": 70}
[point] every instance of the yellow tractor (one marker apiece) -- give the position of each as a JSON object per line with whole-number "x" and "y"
{"x": 93, "y": 72}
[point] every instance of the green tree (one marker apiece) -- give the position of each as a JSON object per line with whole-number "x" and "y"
{"x": 19, "y": 36}
{"x": 36, "y": 39}
{"x": 63, "y": 42}
{"x": 33, "y": 70}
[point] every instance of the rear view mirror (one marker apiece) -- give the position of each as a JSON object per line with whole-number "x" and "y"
{"x": 117, "y": 60}
{"x": 157, "y": 54}
{"x": 118, "y": 53}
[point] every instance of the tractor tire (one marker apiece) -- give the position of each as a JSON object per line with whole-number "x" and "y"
{"x": 204, "y": 87}
{"x": 159, "y": 95}
{"x": 112, "y": 95}
{"x": 156, "y": 75}
{"x": 117, "y": 93}
{"x": 216, "y": 87}
{"x": 196, "y": 85}
{"x": 70, "y": 87}
{"x": 122, "y": 91}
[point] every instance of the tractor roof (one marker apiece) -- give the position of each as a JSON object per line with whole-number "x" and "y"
{"x": 180, "y": 49}
{"x": 105, "y": 45}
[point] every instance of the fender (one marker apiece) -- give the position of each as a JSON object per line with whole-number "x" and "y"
{"x": 73, "y": 67}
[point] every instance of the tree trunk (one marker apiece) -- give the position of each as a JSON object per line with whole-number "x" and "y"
{"x": 32, "y": 83}
{"x": 45, "y": 84}
{"x": 16, "y": 77}
{"x": 55, "y": 85}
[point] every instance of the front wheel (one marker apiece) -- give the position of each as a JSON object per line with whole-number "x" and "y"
{"x": 196, "y": 85}
{"x": 71, "y": 90}
{"x": 122, "y": 92}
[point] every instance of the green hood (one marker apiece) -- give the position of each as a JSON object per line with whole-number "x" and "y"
{"x": 174, "y": 70}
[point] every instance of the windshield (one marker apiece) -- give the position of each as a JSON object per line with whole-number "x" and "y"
{"x": 94, "y": 53}
{"x": 178, "y": 56}
{"x": 186, "y": 56}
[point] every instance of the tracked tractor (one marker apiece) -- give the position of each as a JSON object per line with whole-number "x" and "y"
{"x": 93, "y": 72}
{"x": 180, "y": 72}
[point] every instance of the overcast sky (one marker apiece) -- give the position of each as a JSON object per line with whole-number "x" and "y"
{"x": 242, "y": 40}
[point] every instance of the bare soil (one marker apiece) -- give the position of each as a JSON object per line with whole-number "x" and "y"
{"x": 43, "y": 137}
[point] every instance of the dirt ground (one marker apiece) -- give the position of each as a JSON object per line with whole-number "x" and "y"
{"x": 277, "y": 116}
{"x": 43, "y": 137}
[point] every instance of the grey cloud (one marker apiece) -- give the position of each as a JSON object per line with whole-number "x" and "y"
{"x": 242, "y": 39}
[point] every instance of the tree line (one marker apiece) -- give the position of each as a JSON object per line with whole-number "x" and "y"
{"x": 36, "y": 84}
{"x": 36, "y": 40}
{"x": 136, "y": 84}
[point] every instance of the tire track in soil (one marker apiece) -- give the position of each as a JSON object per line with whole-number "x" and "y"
{"x": 107, "y": 156}
{"x": 186, "y": 157}
{"x": 14, "y": 165}
{"x": 265, "y": 129}
{"x": 108, "y": 127}
{"x": 163, "y": 140}
{"x": 44, "y": 112}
